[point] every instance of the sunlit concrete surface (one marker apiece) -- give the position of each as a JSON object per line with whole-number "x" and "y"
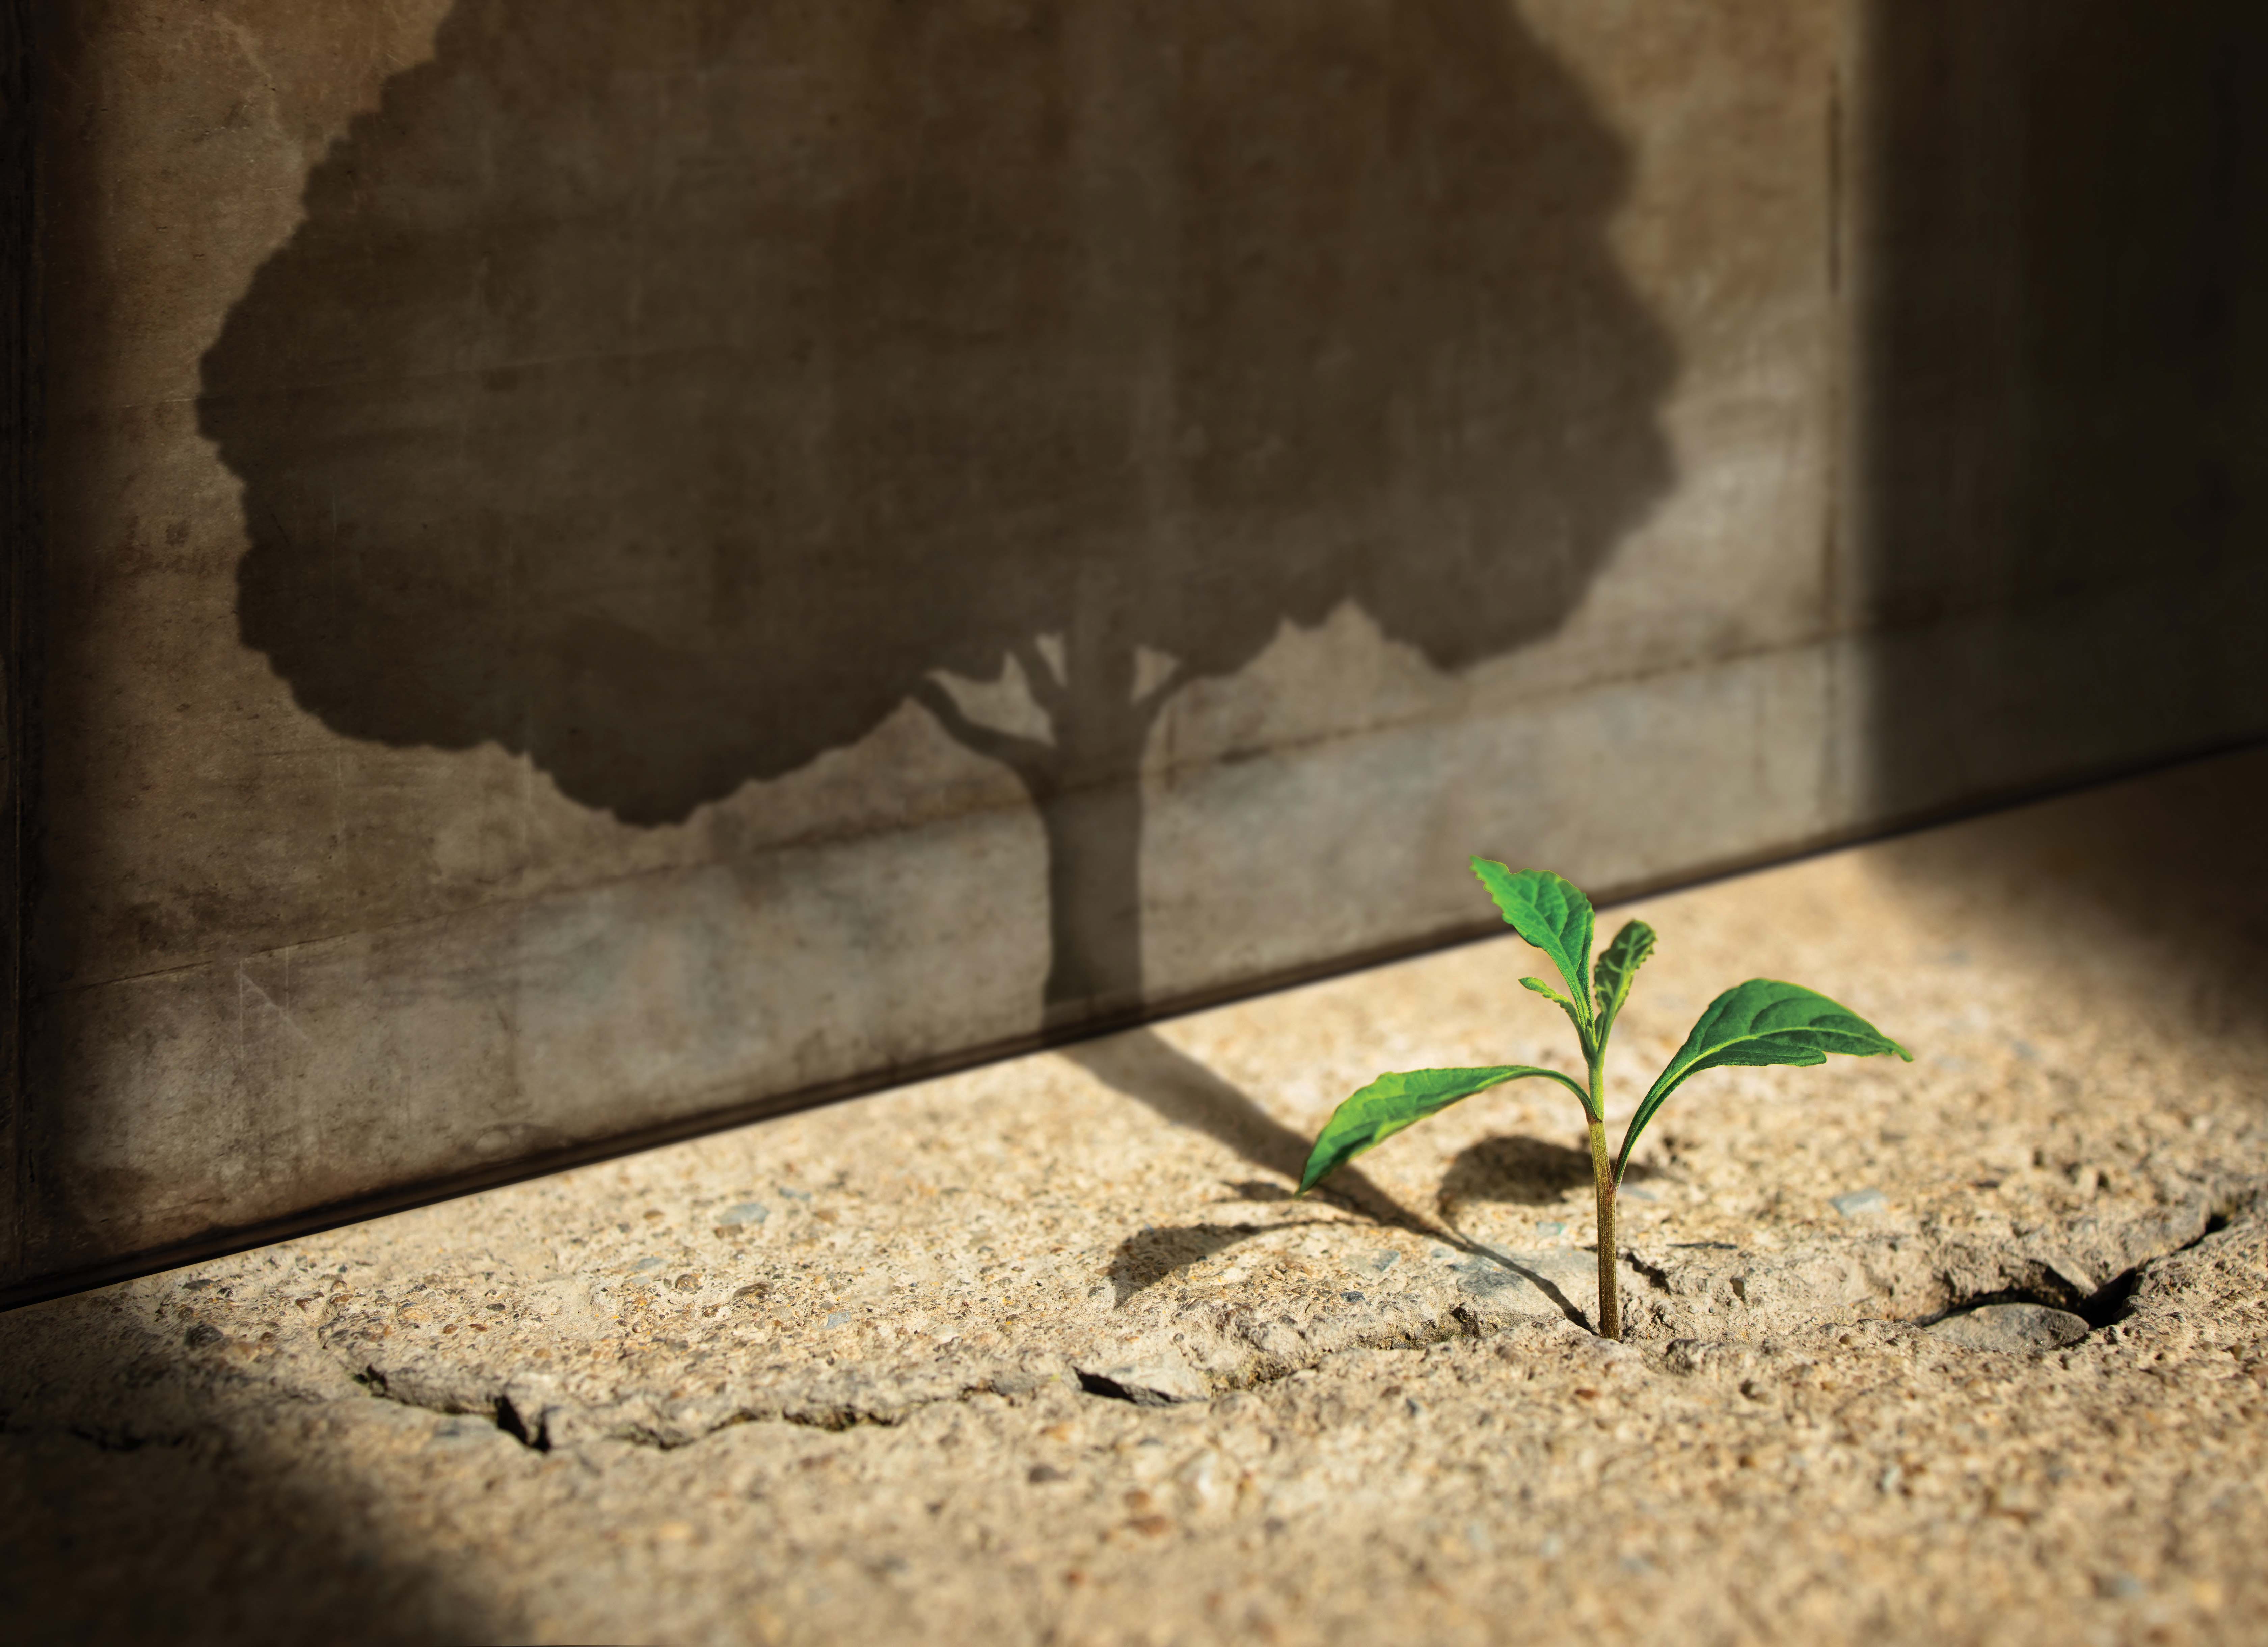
{"x": 1044, "y": 1353}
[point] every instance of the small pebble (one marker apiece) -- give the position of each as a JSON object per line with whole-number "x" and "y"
{"x": 1860, "y": 1204}
{"x": 2014, "y": 1328}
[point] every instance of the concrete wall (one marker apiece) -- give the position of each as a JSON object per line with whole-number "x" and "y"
{"x": 607, "y": 565}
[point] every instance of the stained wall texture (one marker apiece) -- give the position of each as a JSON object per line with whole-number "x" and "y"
{"x": 604, "y": 565}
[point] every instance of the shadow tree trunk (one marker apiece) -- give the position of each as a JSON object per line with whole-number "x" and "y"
{"x": 1094, "y": 899}
{"x": 1086, "y": 781}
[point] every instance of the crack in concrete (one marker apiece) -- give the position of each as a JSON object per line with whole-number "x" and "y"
{"x": 109, "y": 1439}
{"x": 2099, "y": 1306}
{"x": 532, "y": 1427}
{"x": 538, "y": 1428}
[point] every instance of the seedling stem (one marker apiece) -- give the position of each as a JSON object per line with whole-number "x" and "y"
{"x": 1603, "y": 1175}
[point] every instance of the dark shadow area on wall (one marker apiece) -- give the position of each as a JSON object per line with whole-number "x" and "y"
{"x": 671, "y": 392}
{"x": 2063, "y": 464}
{"x": 2064, "y": 388}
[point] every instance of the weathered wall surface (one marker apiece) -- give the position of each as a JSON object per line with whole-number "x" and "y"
{"x": 607, "y": 563}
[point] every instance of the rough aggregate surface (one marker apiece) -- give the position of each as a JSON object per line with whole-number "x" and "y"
{"x": 1970, "y": 1349}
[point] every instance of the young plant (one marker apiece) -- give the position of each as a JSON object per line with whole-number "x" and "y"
{"x": 1752, "y": 1023}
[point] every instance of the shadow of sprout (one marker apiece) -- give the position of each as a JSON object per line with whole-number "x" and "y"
{"x": 1510, "y": 1265}
{"x": 1147, "y": 1068}
{"x": 1519, "y": 1171}
{"x": 1256, "y": 1189}
{"x": 1144, "y": 1260}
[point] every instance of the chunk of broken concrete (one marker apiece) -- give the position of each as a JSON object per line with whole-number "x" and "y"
{"x": 1159, "y": 1381}
{"x": 2025, "y": 1328}
{"x": 1555, "y": 1282}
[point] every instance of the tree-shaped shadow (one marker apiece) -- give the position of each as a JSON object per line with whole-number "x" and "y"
{"x": 671, "y": 393}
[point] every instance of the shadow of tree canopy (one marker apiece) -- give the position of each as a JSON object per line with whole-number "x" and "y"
{"x": 669, "y": 392}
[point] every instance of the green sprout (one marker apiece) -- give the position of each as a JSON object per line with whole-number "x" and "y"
{"x": 1751, "y": 1025}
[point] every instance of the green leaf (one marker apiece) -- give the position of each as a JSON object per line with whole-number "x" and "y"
{"x": 1552, "y": 913}
{"x": 1547, "y": 992}
{"x": 1619, "y": 966}
{"x": 1582, "y": 1029}
{"x": 1394, "y": 1101}
{"x": 1755, "y": 1024}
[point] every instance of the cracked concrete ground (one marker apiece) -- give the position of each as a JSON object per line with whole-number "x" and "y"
{"x": 1044, "y": 1352}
